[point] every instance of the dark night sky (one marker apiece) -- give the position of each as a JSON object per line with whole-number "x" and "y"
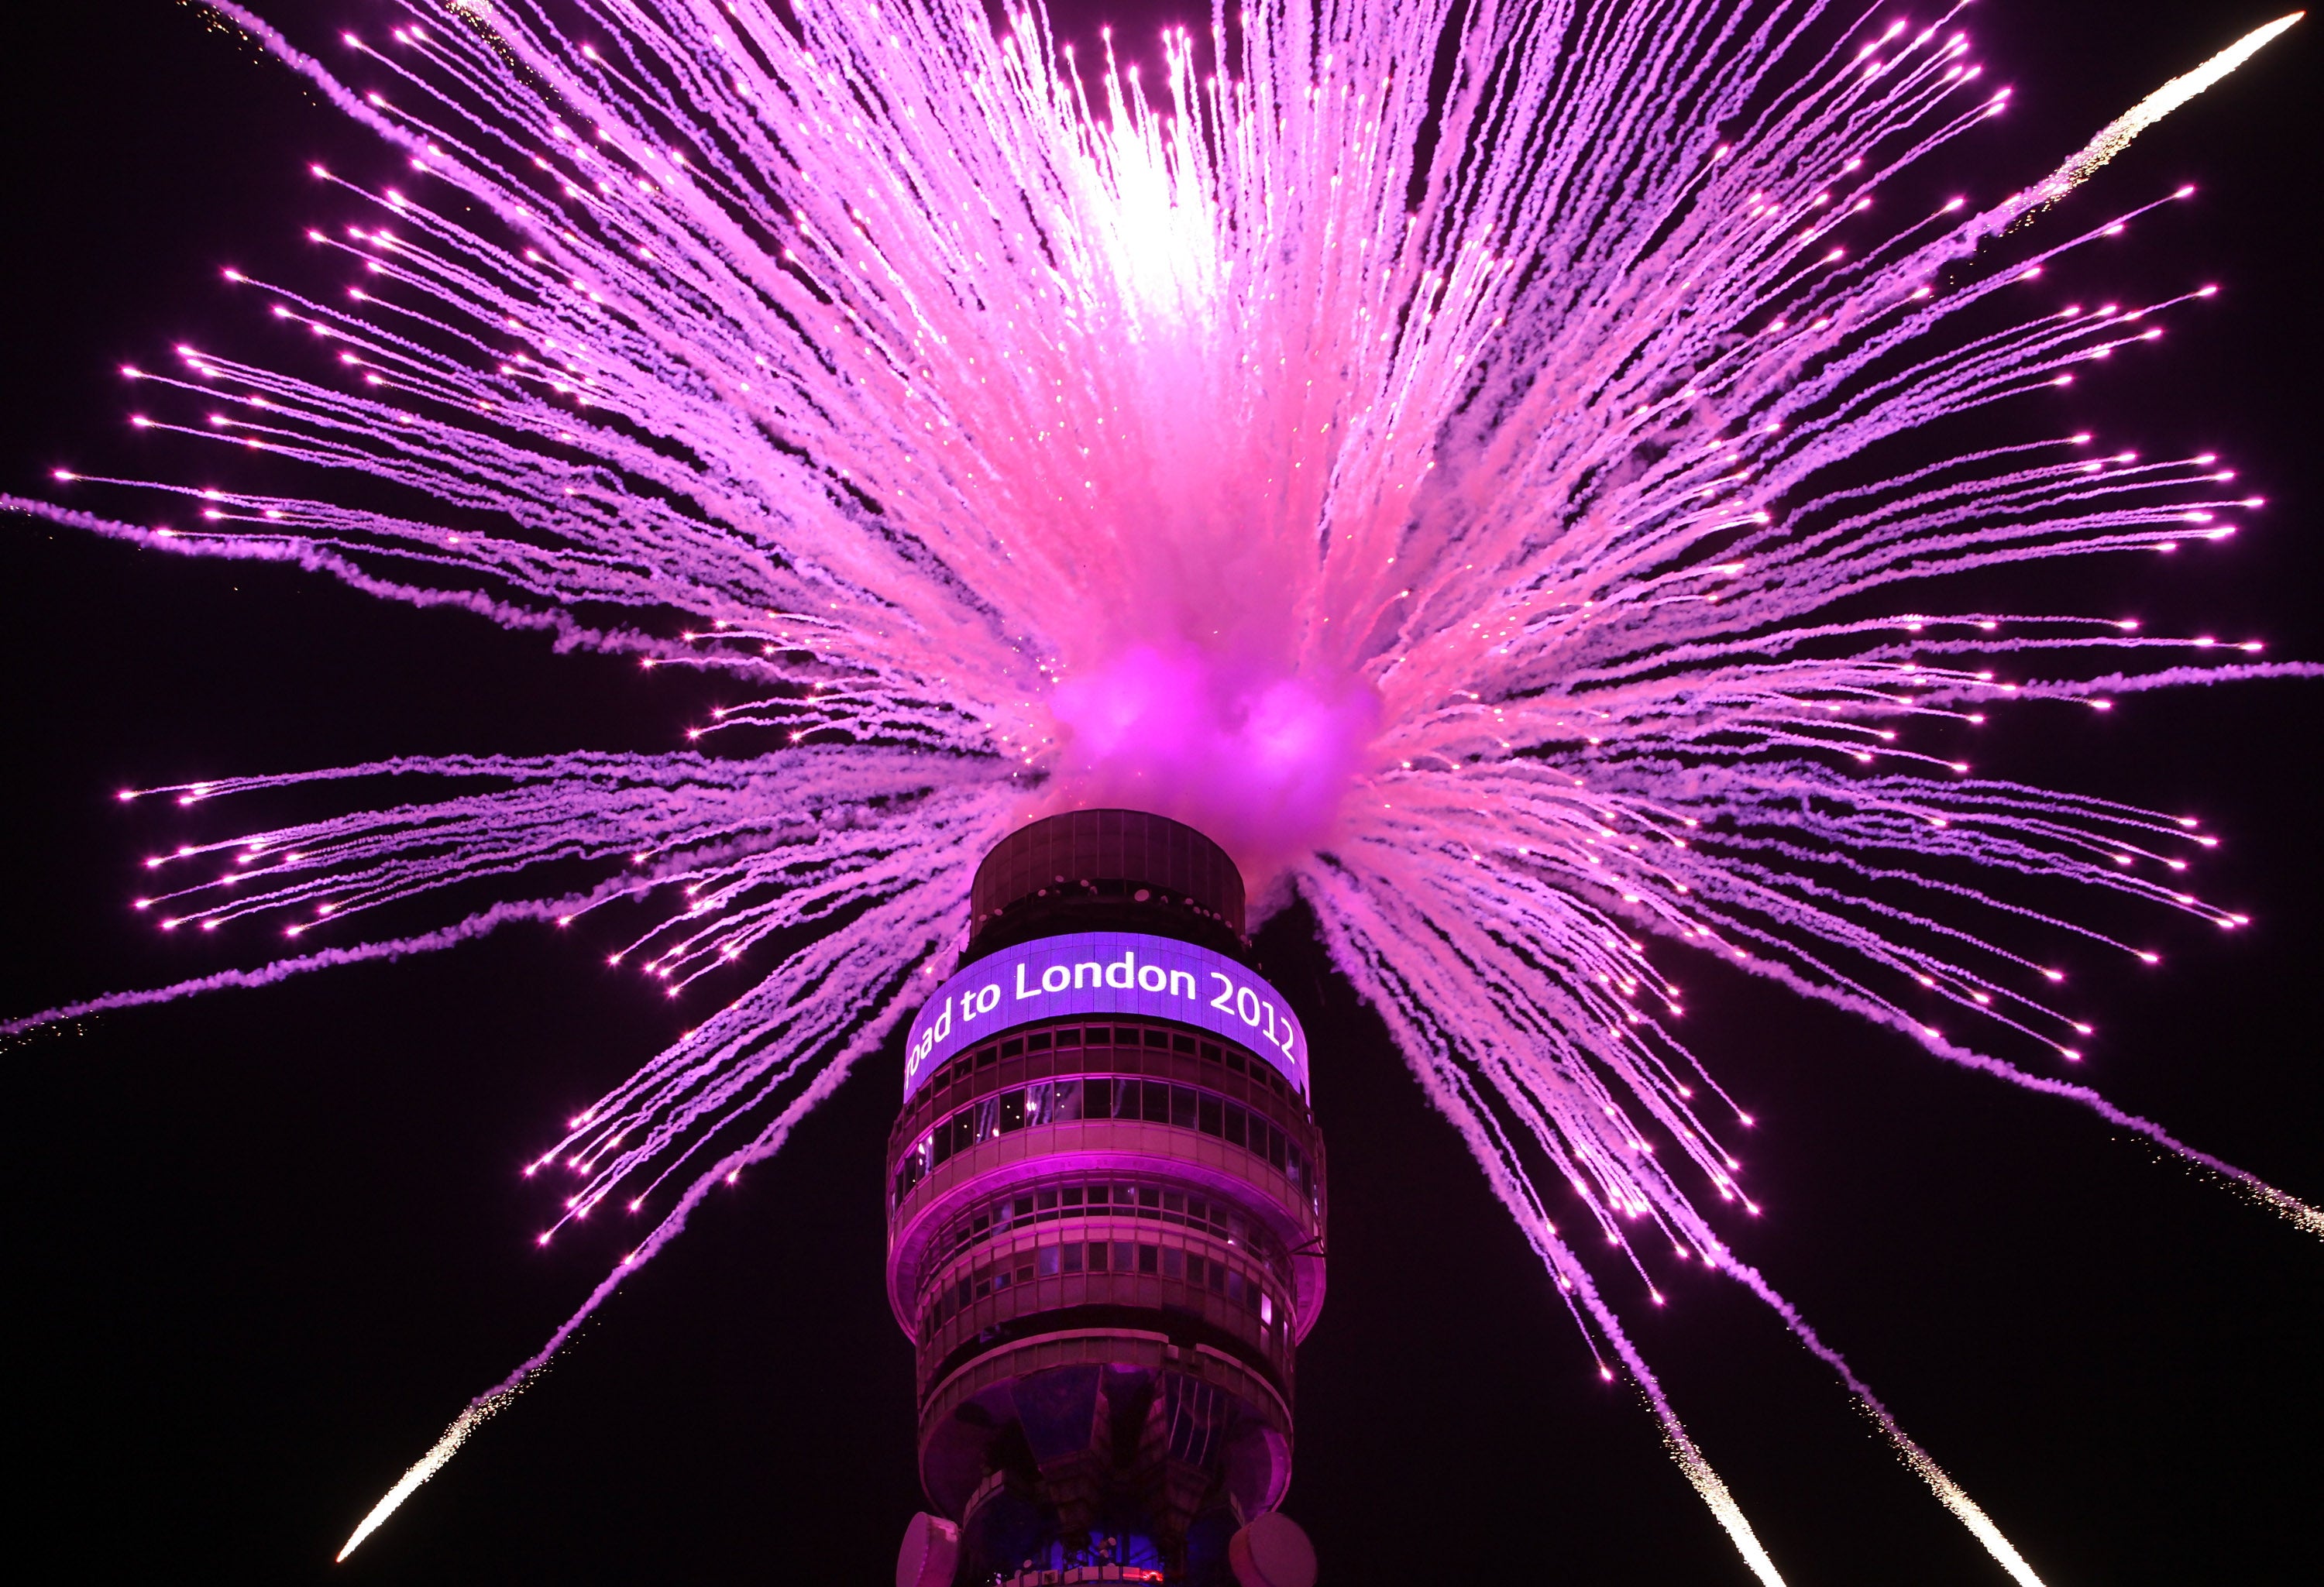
{"x": 262, "y": 1246}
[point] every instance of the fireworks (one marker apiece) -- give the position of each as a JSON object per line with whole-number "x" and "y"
{"x": 1500, "y": 507}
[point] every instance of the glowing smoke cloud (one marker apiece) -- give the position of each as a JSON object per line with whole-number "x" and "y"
{"x": 1492, "y": 502}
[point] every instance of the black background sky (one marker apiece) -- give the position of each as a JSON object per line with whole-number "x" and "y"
{"x": 261, "y": 1247}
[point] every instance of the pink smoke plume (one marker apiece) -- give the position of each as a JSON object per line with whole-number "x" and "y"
{"x": 1260, "y": 761}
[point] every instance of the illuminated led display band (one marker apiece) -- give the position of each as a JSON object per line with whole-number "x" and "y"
{"x": 1122, "y": 972}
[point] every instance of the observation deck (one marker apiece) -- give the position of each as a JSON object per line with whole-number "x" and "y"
{"x": 1106, "y": 1214}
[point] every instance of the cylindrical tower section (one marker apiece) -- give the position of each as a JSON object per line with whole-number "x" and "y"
{"x": 1106, "y": 1211}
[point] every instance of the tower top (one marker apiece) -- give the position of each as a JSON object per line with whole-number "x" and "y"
{"x": 1109, "y": 852}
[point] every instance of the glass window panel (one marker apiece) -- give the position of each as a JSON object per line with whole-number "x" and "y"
{"x": 1174, "y": 1204}
{"x": 987, "y": 1120}
{"x": 1124, "y": 1256}
{"x": 1148, "y": 1258}
{"x": 1048, "y": 1261}
{"x": 1073, "y": 1257}
{"x": 1209, "y": 1115}
{"x": 1045, "y": 1200}
{"x": 1218, "y": 1276}
{"x": 1174, "y": 1262}
{"x": 1266, "y": 1308}
{"x": 1009, "y": 1049}
{"x": 1148, "y": 1195}
{"x": 1236, "y": 1288}
{"x": 1274, "y": 1145}
{"x": 1195, "y": 1266}
{"x": 1037, "y": 1042}
{"x": 1238, "y": 1121}
{"x": 1097, "y": 1098}
{"x": 1160, "y": 1039}
{"x": 1009, "y": 1112}
{"x": 1157, "y": 1102}
{"x": 1072, "y": 1194}
{"x": 1210, "y": 1051}
{"x": 1097, "y": 1249}
{"x": 1182, "y": 1106}
{"x": 1065, "y": 1100}
{"x": 1021, "y": 1209}
{"x": 1124, "y": 1037}
{"x": 1069, "y": 1038}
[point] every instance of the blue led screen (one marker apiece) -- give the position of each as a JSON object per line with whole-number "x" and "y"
{"x": 1119, "y": 973}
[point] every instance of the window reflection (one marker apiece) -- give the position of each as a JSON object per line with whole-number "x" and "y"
{"x": 1099, "y": 1096}
{"x": 1111, "y": 1197}
{"x": 1100, "y": 1268}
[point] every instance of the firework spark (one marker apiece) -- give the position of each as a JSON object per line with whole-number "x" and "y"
{"x": 427, "y": 1465}
{"x": 2115, "y": 136}
{"x": 1499, "y": 503}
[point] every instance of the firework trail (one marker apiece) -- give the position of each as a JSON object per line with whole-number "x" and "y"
{"x": 2115, "y": 136}
{"x": 1482, "y": 463}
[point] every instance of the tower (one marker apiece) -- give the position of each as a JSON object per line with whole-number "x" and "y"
{"x": 1106, "y": 1211}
